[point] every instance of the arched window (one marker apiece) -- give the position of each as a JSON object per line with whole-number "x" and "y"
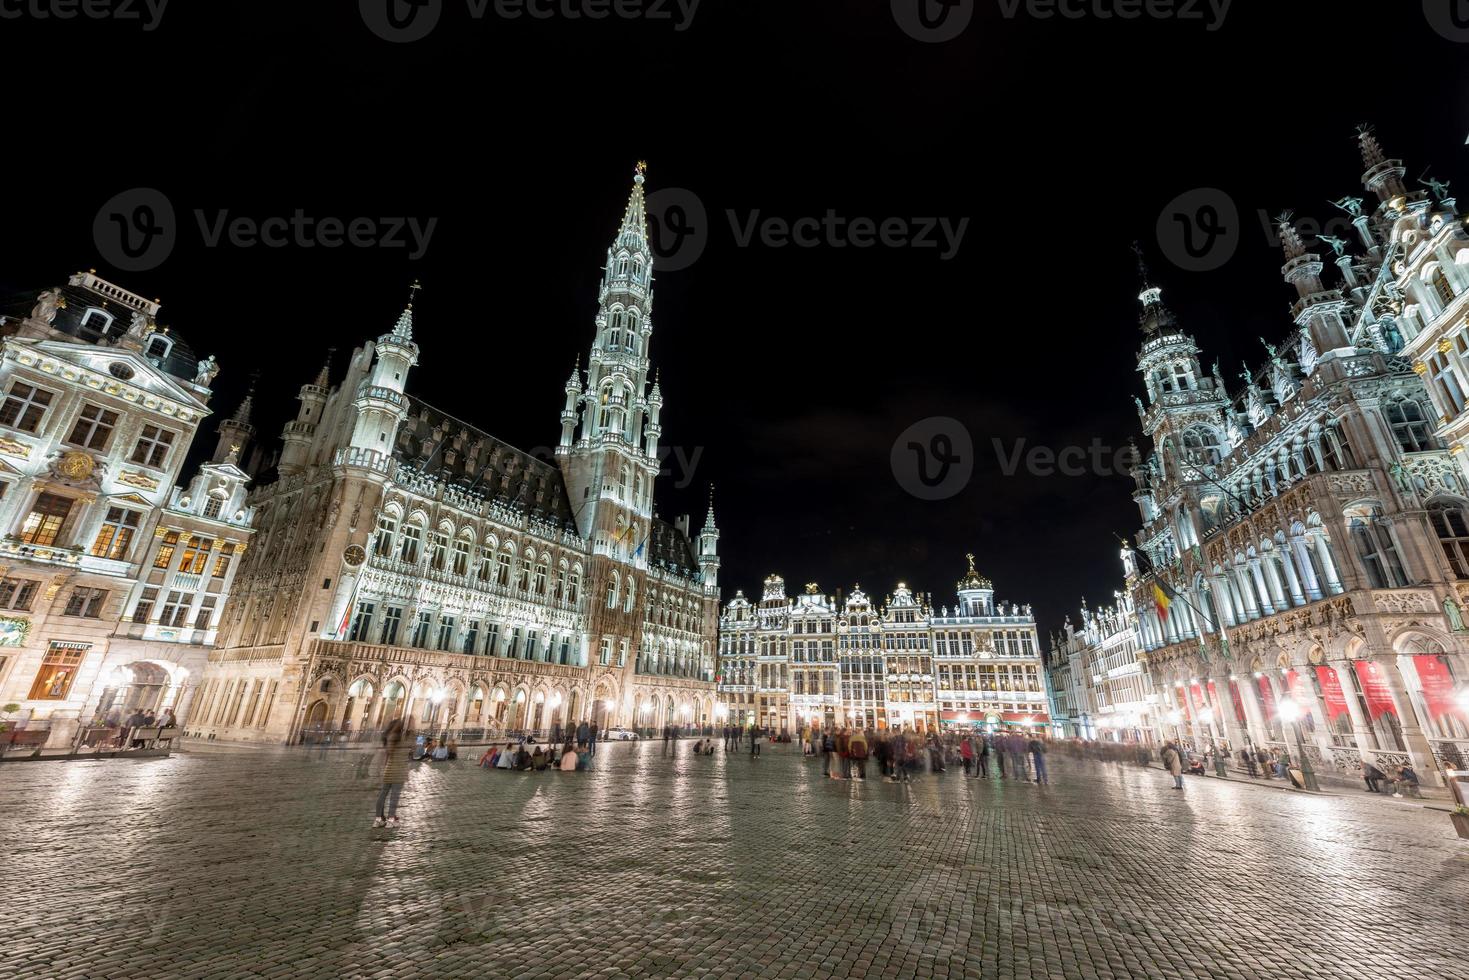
{"x": 96, "y": 319}
{"x": 1375, "y": 549}
{"x": 1452, "y": 528}
{"x": 1336, "y": 452}
{"x": 631, "y": 598}
{"x": 408, "y": 547}
{"x": 1201, "y": 446}
{"x": 1441, "y": 288}
{"x": 1409, "y": 424}
{"x": 612, "y": 589}
{"x": 159, "y": 346}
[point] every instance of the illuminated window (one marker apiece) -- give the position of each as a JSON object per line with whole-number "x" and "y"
{"x": 196, "y": 555}
{"x": 44, "y": 522}
{"x": 58, "y": 671}
{"x": 116, "y": 534}
{"x": 166, "y": 549}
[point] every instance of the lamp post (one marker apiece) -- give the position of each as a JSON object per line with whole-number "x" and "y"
{"x": 1291, "y": 712}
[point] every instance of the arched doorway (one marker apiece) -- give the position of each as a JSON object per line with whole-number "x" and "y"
{"x": 316, "y": 715}
{"x": 359, "y": 703}
{"x": 392, "y": 706}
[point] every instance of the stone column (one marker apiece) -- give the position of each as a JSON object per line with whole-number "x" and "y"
{"x": 1328, "y": 565}
{"x": 1293, "y": 582}
{"x": 1418, "y": 747}
{"x": 1267, "y": 608}
{"x": 1224, "y": 712}
{"x": 1298, "y": 546}
{"x": 1361, "y": 730}
{"x": 1249, "y": 695}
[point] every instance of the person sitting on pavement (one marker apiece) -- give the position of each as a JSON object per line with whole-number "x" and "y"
{"x": 487, "y": 761}
{"x": 1195, "y": 766}
{"x": 453, "y": 748}
{"x": 1372, "y": 776}
{"x": 538, "y": 759}
{"x": 1407, "y": 782}
{"x": 506, "y": 758}
{"x": 441, "y": 752}
{"x": 568, "y": 758}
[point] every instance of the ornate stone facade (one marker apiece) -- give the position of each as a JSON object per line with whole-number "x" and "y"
{"x": 820, "y": 662}
{"x": 1305, "y": 550}
{"x": 411, "y": 565}
{"x": 113, "y": 578}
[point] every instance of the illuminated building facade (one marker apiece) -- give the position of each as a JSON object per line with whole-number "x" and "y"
{"x": 1303, "y": 564}
{"x": 827, "y": 662}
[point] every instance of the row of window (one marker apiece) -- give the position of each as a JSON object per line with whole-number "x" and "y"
{"x": 452, "y": 633}
{"x": 498, "y": 568}
{"x": 25, "y": 406}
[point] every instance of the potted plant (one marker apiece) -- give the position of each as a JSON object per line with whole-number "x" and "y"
{"x": 6, "y": 710}
{"x": 1460, "y": 817}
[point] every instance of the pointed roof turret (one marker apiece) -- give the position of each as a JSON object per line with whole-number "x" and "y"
{"x": 324, "y": 376}
{"x": 633, "y": 232}
{"x": 403, "y": 329}
{"x": 709, "y": 524}
{"x": 573, "y": 383}
{"x": 1155, "y": 317}
{"x": 1381, "y": 175}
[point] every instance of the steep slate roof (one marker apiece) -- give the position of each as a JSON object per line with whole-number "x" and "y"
{"x": 441, "y": 446}
{"x": 668, "y": 546}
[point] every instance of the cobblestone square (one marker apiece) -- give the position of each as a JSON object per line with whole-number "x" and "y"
{"x": 264, "y": 864}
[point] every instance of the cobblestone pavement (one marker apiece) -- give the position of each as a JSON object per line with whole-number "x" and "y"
{"x": 263, "y": 863}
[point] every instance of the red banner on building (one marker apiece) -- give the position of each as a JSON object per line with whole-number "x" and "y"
{"x": 1267, "y": 698}
{"x": 1437, "y": 683}
{"x": 1198, "y": 697}
{"x": 1239, "y": 704}
{"x": 1374, "y": 688}
{"x": 1331, "y": 693}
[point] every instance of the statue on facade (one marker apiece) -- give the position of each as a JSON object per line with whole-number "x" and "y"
{"x": 1438, "y": 188}
{"x": 1454, "y": 614}
{"x": 1400, "y": 477}
{"x": 47, "y": 304}
{"x": 139, "y": 328}
{"x": 206, "y": 371}
{"x": 1351, "y": 205}
{"x": 1337, "y": 245}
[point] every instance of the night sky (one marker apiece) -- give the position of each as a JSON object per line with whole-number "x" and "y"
{"x": 789, "y": 371}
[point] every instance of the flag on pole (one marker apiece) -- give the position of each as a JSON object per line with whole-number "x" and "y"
{"x": 1163, "y": 596}
{"x": 350, "y": 608}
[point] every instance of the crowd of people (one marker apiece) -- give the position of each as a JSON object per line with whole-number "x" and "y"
{"x": 903, "y": 754}
{"x": 140, "y": 719}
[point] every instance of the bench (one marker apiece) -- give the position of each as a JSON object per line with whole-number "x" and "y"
{"x": 145, "y": 735}
{"x": 99, "y": 736}
{"x": 167, "y": 735}
{"x": 31, "y": 738}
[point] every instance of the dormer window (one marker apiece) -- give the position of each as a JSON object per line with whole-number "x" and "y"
{"x": 159, "y": 347}
{"x": 97, "y": 319}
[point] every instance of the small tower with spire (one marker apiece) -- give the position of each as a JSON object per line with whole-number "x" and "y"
{"x": 569, "y": 412}
{"x": 1381, "y": 176}
{"x": 709, "y": 550}
{"x": 297, "y": 436}
{"x": 236, "y": 431}
{"x": 380, "y": 404}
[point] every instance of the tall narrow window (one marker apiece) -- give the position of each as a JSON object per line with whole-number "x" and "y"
{"x": 43, "y": 524}
{"x": 361, "y": 622}
{"x": 166, "y": 549}
{"x": 386, "y": 526}
{"x": 408, "y": 550}
{"x": 1410, "y": 425}
{"x": 392, "y": 620}
{"x": 204, "y": 618}
{"x": 176, "y": 609}
{"x": 116, "y": 534}
{"x": 1453, "y": 535}
{"x": 17, "y": 593}
{"x": 222, "y": 560}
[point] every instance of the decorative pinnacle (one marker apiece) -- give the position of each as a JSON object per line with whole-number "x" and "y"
{"x": 640, "y": 172}
{"x": 1290, "y": 238}
{"x": 1372, "y": 154}
{"x": 323, "y": 377}
{"x": 403, "y": 329}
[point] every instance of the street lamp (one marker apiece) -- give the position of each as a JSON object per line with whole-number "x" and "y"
{"x": 1291, "y": 712}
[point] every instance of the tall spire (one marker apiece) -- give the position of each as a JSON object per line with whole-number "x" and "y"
{"x": 1155, "y": 316}
{"x": 236, "y": 431}
{"x": 633, "y": 233}
{"x": 403, "y": 329}
{"x": 324, "y": 376}
{"x": 709, "y": 516}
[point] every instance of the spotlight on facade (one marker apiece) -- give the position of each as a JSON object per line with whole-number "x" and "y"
{"x": 1289, "y": 710}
